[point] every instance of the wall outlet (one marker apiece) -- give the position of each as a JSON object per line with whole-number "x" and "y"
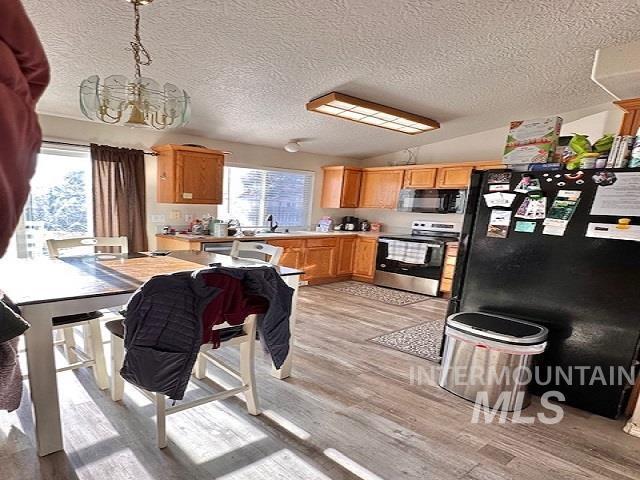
{"x": 175, "y": 215}
{"x": 158, "y": 219}
{"x": 188, "y": 218}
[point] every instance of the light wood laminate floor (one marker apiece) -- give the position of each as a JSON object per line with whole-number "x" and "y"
{"x": 348, "y": 412}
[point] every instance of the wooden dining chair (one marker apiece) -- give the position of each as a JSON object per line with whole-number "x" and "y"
{"x": 93, "y": 353}
{"x": 246, "y": 374}
{"x": 274, "y": 253}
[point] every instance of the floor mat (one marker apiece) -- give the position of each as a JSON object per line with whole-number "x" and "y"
{"x": 381, "y": 294}
{"x": 422, "y": 340}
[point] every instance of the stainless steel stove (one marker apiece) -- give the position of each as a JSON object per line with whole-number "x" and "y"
{"x": 415, "y": 262}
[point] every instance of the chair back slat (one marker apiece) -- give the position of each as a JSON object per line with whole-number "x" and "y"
{"x": 55, "y": 246}
{"x": 256, "y": 247}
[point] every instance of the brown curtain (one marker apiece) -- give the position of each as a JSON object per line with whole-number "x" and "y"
{"x": 118, "y": 194}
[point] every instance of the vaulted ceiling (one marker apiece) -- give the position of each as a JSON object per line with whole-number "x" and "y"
{"x": 250, "y": 66}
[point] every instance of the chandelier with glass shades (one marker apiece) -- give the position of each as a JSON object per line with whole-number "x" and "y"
{"x": 140, "y": 102}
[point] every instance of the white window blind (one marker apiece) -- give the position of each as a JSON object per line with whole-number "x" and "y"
{"x": 250, "y": 194}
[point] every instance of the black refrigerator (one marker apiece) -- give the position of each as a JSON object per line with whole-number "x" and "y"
{"x": 586, "y": 291}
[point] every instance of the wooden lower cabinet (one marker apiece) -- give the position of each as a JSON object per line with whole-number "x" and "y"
{"x": 320, "y": 255}
{"x": 331, "y": 259}
{"x": 346, "y": 250}
{"x": 293, "y": 254}
{"x": 169, "y": 243}
{"x": 364, "y": 259}
{"x": 446, "y": 281}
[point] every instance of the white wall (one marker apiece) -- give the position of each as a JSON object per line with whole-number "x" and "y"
{"x": 58, "y": 128}
{"x": 482, "y": 146}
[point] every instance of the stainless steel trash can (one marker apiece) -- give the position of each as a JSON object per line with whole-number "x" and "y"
{"x": 488, "y": 358}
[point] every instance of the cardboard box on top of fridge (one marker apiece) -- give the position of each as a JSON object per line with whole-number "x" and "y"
{"x": 532, "y": 141}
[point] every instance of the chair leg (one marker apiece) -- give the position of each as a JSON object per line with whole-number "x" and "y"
{"x": 117, "y": 359}
{"x": 247, "y": 372}
{"x": 99, "y": 367}
{"x": 200, "y": 367}
{"x": 69, "y": 345}
{"x": 161, "y": 420}
{"x": 86, "y": 340}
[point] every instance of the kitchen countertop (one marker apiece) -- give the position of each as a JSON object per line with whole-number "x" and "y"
{"x": 265, "y": 236}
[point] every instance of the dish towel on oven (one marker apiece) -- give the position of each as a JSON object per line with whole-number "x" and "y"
{"x": 407, "y": 252}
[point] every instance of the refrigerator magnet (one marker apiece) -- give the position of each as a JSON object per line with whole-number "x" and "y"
{"x": 525, "y": 227}
{"x": 499, "y": 199}
{"x": 498, "y": 177}
{"x": 528, "y": 183}
{"x": 499, "y": 224}
{"x": 499, "y": 187}
{"x": 532, "y": 208}
{"x": 619, "y": 231}
{"x": 572, "y": 177}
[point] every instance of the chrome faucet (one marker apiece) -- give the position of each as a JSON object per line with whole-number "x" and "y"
{"x": 272, "y": 227}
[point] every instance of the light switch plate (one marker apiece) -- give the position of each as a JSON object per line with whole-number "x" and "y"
{"x": 158, "y": 219}
{"x": 175, "y": 215}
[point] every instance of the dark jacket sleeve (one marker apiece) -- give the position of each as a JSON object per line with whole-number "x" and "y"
{"x": 12, "y": 325}
{"x": 17, "y": 32}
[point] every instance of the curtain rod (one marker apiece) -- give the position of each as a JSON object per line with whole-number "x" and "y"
{"x": 67, "y": 144}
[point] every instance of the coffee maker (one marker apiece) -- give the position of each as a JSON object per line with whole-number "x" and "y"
{"x": 350, "y": 224}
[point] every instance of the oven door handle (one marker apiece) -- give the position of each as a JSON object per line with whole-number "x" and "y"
{"x": 429, "y": 245}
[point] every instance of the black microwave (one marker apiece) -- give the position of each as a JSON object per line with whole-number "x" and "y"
{"x": 431, "y": 200}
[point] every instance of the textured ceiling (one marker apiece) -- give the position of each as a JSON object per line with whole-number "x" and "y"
{"x": 250, "y": 66}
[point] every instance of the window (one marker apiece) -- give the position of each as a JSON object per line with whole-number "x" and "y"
{"x": 60, "y": 204}
{"x": 250, "y": 194}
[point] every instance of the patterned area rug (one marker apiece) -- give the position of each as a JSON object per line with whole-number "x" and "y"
{"x": 420, "y": 340}
{"x": 381, "y": 294}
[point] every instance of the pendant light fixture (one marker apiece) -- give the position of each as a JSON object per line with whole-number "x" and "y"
{"x": 140, "y": 102}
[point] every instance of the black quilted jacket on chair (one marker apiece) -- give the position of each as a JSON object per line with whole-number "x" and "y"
{"x": 163, "y": 325}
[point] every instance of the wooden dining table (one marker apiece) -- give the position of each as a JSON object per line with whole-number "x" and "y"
{"x": 46, "y": 288}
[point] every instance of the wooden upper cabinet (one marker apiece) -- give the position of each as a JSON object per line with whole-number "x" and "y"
{"x": 454, "y": 177}
{"x": 380, "y": 187}
{"x": 341, "y": 187}
{"x": 189, "y": 174}
{"x": 490, "y": 166}
{"x": 420, "y": 177}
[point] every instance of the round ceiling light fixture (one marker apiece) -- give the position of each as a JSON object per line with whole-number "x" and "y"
{"x": 292, "y": 147}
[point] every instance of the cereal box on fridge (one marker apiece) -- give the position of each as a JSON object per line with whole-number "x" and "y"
{"x": 532, "y": 141}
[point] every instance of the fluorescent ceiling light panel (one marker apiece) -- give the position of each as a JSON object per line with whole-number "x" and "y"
{"x": 392, "y": 126}
{"x": 342, "y": 105}
{"x": 330, "y": 110}
{"x": 404, "y": 121}
{"x": 386, "y": 116}
{"x": 373, "y": 121}
{"x": 366, "y": 111}
{"x": 352, "y": 115}
{"x": 369, "y": 113}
